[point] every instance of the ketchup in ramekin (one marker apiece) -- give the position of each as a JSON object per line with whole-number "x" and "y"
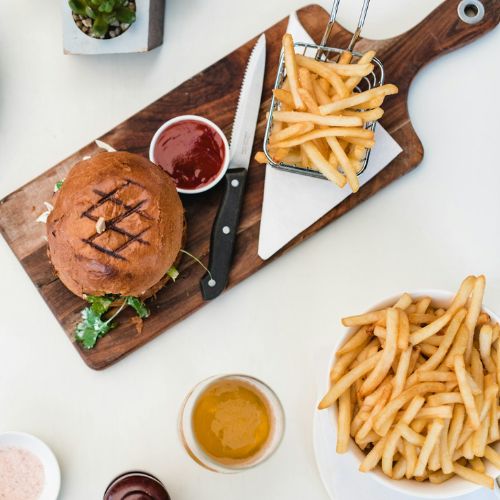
{"x": 193, "y": 151}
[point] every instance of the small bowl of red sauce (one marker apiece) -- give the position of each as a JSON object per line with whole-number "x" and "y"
{"x": 193, "y": 151}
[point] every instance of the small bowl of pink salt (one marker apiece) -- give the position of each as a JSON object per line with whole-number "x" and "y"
{"x": 28, "y": 468}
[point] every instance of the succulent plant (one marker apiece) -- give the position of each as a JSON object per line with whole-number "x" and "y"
{"x": 103, "y": 13}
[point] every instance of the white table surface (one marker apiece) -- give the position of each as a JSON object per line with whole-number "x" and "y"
{"x": 429, "y": 229}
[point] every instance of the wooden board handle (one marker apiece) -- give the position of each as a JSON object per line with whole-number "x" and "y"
{"x": 440, "y": 32}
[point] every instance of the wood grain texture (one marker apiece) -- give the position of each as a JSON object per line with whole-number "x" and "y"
{"x": 213, "y": 93}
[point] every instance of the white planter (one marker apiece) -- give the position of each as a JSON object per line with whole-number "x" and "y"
{"x": 143, "y": 35}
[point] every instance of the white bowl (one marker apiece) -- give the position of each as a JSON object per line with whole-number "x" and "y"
{"x": 36, "y": 446}
{"x": 452, "y": 488}
{"x": 211, "y": 124}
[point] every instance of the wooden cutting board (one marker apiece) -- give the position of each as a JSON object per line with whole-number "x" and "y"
{"x": 213, "y": 93}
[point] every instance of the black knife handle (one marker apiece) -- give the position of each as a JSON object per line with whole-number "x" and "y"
{"x": 224, "y": 234}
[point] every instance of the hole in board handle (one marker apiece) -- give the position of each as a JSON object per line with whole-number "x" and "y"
{"x": 470, "y": 11}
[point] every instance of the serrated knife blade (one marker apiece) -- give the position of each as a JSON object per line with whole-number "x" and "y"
{"x": 247, "y": 110}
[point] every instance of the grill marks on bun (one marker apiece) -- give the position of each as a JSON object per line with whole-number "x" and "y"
{"x": 112, "y": 225}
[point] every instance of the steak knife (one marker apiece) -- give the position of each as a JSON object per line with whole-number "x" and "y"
{"x": 228, "y": 215}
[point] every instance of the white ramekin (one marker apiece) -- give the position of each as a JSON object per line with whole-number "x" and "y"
{"x": 52, "y": 473}
{"x": 212, "y": 125}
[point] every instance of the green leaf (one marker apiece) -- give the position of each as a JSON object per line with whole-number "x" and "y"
{"x": 100, "y": 304}
{"x": 107, "y": 6}
{"x": 125, "y": 15}
{"x": 173, "y": 273}
{"x": 90, "y": 328}
{"x": 110, "y": 18}
{"x": 139, "y": 306}
{"x": 90, "y": 12}
{"x": 58, "y": 185}
{"x": 100, "y": 26}
{"x": 78, "y": 7}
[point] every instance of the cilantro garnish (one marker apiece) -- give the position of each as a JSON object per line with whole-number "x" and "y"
{"x": 58, "y": 185}
{"x": 100, "y": 304}
{"x": 140, "y": 308}
{"x": 92, "y": 326}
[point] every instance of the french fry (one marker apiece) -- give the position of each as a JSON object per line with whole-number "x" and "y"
{"x": 434, "y": 361}
{"x": 434, "y": 376}
{"x": 399, "y": 469}
{"x": 373, "y": 458}
{"x": 284, "y": 96}
{"x": 473, "y": 312}
{"x": 477, "y": 464}
{"x": 364, "y": 319}
{"x": 279, "y": 153}
{"x": 345, "y": 163}
{"x": 322, "y": 97}
{"x": 403, "y": 302}
{"x": 404, "y": 330}
{"x": 324, "y": 71}
{"x": 291, "y": 70}
{"x": 330, "y": 121}
{"x": 444, "y": 450}
{"x": 384, "y": 364}
{"x": 417, "y": 318}
{"x": 439, "y": 477}
{"x": 385, "y": 418}
{"x": 401, "y": 372}
{"x": 320, "y": 162}
{"x": 434, "y": 462}
{"x": 352, "y": 81}
{"x": 492, "y": 456}
{"x": 359, "y": 338}
{"x": 347, "y": 380}
{"x": 260, "y": 157}
{"x": 362, "y": 97}
{"x": 410, "y": 435}
{"x": 444, "y": 412}
{"x": 323, "y": 133}
{"x": 376, "y": 102}
{"x": 325, "y": 85}
{"x": 485, "y": 339}
{"x": 343, "y": 362}
{"x": 368, "y": 424}
{"x": 346, "y": 57}
{"x": 445, "y": 398}
{"x": 359, "y": 70}
{"x": 411, "y": 458}
{"x": 291, "y": 131}
{"x": 466, "y": 392}
{"x": 474, "y": 476}
{"x": 431, "y": 329}
{"x": 344, "y": 421}
{"x": 371, "y": 115}
{"x": 458, "y": 347}
{"x": 431, "y": 439}
{"x": 310, "y": 101}
{"x": 305, "y": 80}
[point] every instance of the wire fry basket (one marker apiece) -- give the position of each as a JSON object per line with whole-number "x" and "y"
{"x": 324, "y": 53}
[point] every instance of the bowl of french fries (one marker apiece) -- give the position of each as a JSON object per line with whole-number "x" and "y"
{"x": 414, "y": 391}
{"x": 325, "y": 105}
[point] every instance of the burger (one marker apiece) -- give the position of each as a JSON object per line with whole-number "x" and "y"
{"x": 115, "y": 234}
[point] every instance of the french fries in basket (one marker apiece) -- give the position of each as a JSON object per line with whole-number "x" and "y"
{"x": 321, "y": 121}
{"x": 422, "y": 404}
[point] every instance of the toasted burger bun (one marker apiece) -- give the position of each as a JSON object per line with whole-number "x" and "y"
{"x": 141, "y": 236}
